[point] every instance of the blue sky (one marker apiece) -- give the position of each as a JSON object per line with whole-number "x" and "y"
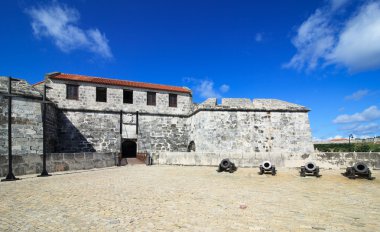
{"x": 321, "y": 54}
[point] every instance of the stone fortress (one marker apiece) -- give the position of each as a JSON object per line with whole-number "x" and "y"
{"x": 93, "y": 121}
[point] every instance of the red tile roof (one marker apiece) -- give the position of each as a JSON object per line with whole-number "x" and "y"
{"x": 107, "y": 81}
{"x": 338, "y": 139}
{"x": 40, "y": 82}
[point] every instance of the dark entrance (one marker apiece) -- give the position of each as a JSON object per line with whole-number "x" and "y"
{"x": 129, "y": 149}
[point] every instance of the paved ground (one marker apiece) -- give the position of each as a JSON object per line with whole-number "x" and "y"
{"x": 169, "y": 198}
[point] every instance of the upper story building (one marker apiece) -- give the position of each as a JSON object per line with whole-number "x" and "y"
{"x": 71, "y": 91}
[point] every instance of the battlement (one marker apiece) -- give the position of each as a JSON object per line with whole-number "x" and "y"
{"x": 247, "y": 104}
{"x": 20, "y": 87}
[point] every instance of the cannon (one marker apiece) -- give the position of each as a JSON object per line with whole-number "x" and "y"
{"x": 266, "y": 167}
{"x": 360, "y": 169}
{"x": 310, "y": 168}
{"x": 227, "y": 166}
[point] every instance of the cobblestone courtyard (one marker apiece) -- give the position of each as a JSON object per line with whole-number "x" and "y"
{"x": 170, "y": 198}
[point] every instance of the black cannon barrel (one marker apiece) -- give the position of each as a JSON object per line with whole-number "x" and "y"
{"x": 361, "y": 167}
{"x": 227, "y": 166}
{"x": 225, "y": 163}
{"x": 310, "y": 166}
{"x": 266, "y": 165}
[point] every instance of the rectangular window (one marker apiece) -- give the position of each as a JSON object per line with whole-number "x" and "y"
{"x": 172, "y": 100}
{"x": 72, "y": 92}
{"x": 151, "y": 98}
{"x": 128, "y": 96}
{"x": 101, "y": 94}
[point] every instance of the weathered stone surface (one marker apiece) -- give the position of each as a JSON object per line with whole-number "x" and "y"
{"x": 237, "y": 103}
{"x": 26, "y": 120}
{"x": 19, "y": 87}
{"x": 274, "y": 104}
{"x": 218, "y": 131}
{"x": 55, "y": 162}
{"x": 88, "y": 132}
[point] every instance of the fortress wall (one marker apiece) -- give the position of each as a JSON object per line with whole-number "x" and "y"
{"x": 26, "y": 127}
{"x": 236, "y": 127}
{"x": 88, "y": 132}
{"x": 57, "y": 162}
{"x": 163, "y": 133}
{"x": 251, "y": 131}
{"x": 100, "y": 132}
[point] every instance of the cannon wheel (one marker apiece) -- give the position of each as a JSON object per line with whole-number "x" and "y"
{"x": 302, "y": 172}
{"x": 273, "y": 171}
{"x": 370, "y": 175}
{"x": 261, "y": 170}
{"x": 350, "y": 173}
{"x": 232, "y": 168}
{"x": 317, "y": 172}
{"x": 346, "y": 174}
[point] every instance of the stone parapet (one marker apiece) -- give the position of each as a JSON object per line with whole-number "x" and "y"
{"x": 245, "y": 104}
{"x": 332, "y": 160}
{"x": 20, "y": 87}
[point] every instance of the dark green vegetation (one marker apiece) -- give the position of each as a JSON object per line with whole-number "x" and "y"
{"x": 345, "y": 147}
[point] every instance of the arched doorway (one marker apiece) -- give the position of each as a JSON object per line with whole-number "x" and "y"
{"x": 129, "y": 149}
{"x": 191, "y": 147}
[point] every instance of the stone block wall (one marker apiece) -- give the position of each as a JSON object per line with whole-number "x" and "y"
{"x": 162, "y": 133}
{"x": 26, "y": 127}
{"x": 57, "y": 162}
{"x": 237, "y": 102}
{"x": 88, "y": 132}
{"x": 250, "y": 131}
{"x": 87, "y": 99}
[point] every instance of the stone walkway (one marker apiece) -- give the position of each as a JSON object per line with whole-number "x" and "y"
{"x": 173, "y": 198}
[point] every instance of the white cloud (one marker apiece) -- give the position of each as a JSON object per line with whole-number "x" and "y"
{"x": 313, "y": 41}
{"x": 259, "y": 37}
{"x": 363, "y": 129}
{"x": 224, "y": 88}
{"x": 369, "y": 114}
{"x": 358, "y": 47}
{"x": 357, "y": 95}
{"x": 323, "y": 39}
{"x": 205, "y": 88}
{"x": 59, "y": 23}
